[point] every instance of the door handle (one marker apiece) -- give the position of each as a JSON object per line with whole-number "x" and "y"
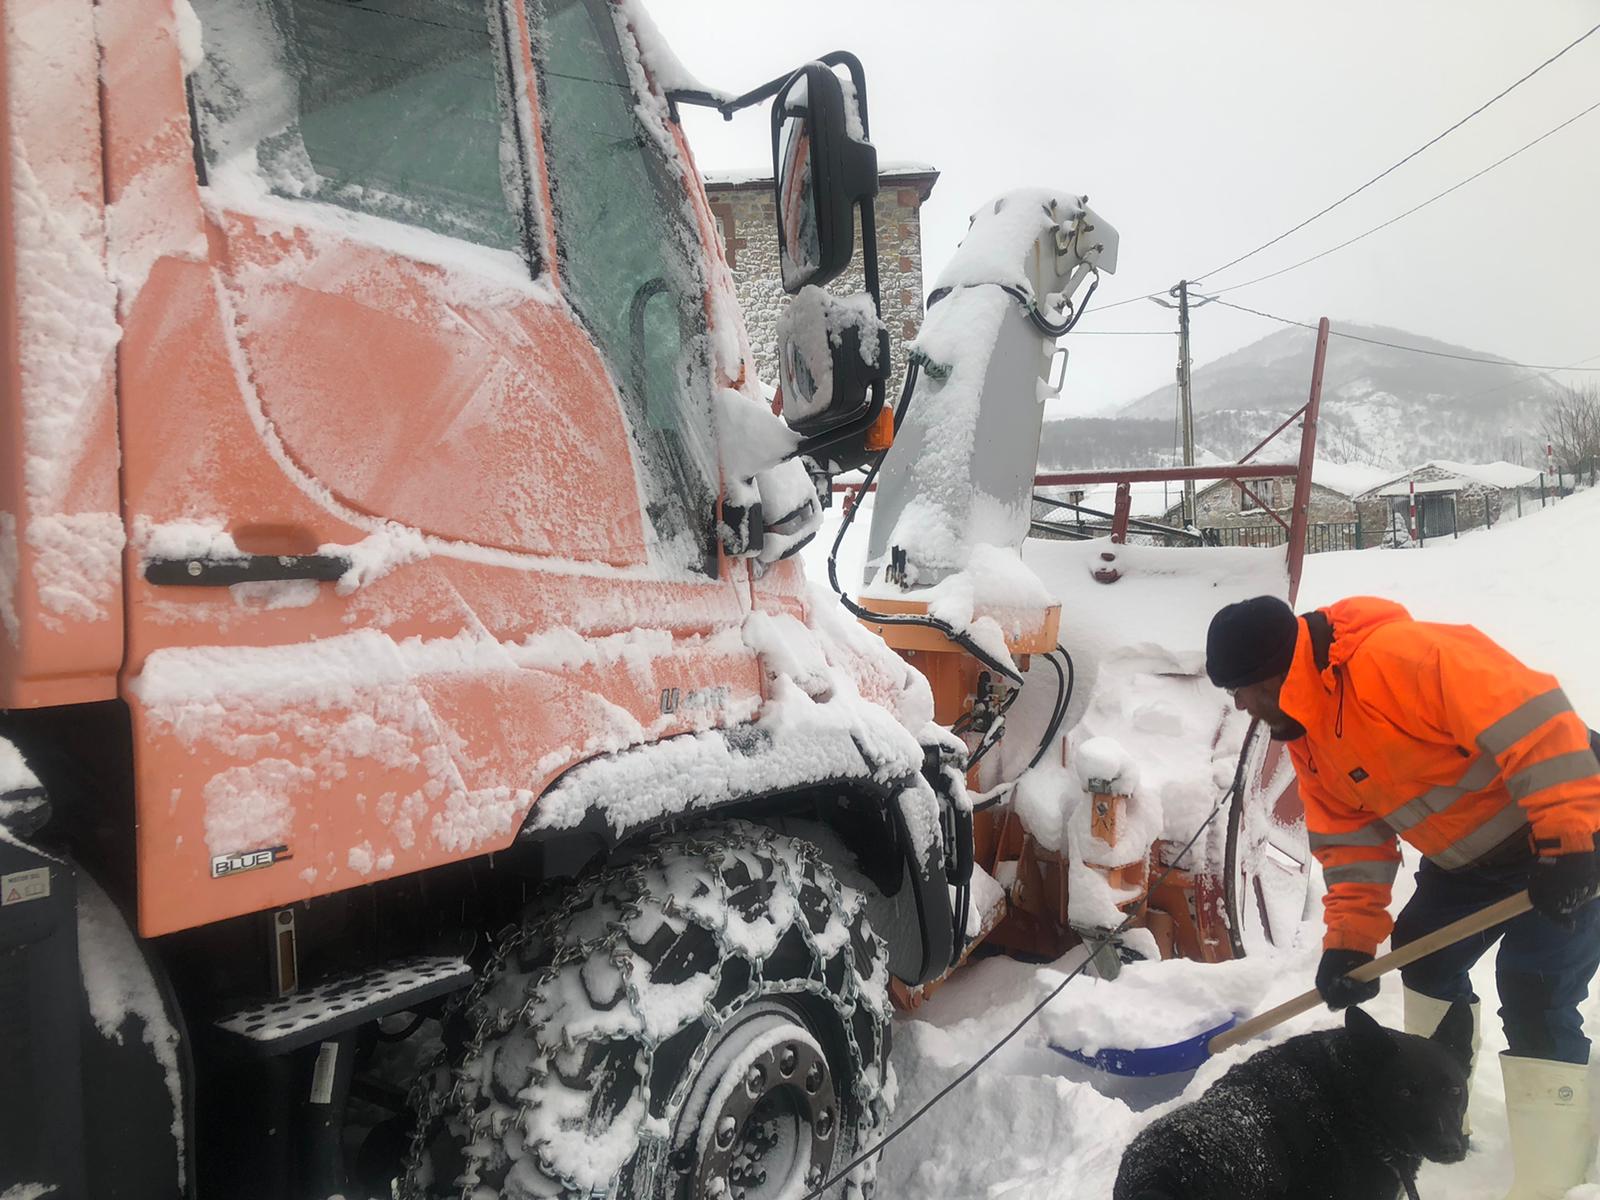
{"x": 247, "y": 568}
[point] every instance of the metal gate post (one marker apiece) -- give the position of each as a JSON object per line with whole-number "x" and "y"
{"x": 1302, "y": 479}
{"x": 1119, "y": 517}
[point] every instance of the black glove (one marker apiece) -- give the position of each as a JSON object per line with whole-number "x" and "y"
{"x": 1338, "y": 991}
{"x": 1561, "y": 884}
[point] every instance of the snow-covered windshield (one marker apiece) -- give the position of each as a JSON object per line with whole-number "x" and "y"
{"x": 630, "y": 261}
{"x": 393, "y": 110}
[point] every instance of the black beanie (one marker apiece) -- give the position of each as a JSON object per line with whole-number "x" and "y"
{"x": 1251, "y": 641}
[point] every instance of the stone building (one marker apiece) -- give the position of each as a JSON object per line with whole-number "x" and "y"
{"x": 1234, "y": 517}
{"x": 1451, "y": 497}
{"x": 743, "y": 205}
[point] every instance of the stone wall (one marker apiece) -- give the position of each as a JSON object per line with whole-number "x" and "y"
{"x": 748, "y": 223}
{"x": 1223, "y": 505}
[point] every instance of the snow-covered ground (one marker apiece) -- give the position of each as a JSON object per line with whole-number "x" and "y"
{"x": 1030, "y": 1125}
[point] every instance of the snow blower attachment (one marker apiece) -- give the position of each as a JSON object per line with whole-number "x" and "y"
{"x": 1078, "y": 822}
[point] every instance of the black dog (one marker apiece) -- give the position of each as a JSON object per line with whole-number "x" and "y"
{"x": 1341, "y": 1114}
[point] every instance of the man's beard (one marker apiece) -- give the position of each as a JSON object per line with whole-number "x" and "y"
{"x": 1290, "y": 731}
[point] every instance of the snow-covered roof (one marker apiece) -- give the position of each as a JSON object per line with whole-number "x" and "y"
{"x": 1494, "y": 475}
{"x": 737, "y": 176}
{"x": 1348, "y": 479}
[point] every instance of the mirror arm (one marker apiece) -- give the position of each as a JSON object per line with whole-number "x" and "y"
{"x": 771, "y": 88}
{"x": 869, "y": 250}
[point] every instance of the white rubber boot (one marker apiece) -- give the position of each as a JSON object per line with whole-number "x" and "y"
{"x": 1422, "y": 1017}
{"x": 1547, "y": 1107}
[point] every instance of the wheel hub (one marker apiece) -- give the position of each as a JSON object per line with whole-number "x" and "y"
{"x": 768, "y": 1117}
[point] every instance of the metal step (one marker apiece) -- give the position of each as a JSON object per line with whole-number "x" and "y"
{"x": 342, "y": 1002}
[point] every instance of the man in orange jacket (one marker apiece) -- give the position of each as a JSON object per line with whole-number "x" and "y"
{"x": 1433, "y": 733}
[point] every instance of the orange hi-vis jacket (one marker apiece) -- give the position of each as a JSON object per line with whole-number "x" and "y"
{"x": 1431, "y": 733}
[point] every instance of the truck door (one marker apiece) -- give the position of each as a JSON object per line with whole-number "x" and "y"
{"x": 418, "y": 457}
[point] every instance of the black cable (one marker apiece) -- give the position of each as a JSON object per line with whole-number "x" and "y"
{"x": 1233, "y": 287}
{"x": 1136, "y": 912}
{"x": 1389, "y": 170}
{"x": 995, "y": 732}
{"x": 1064, "y": 687}
{"x": 1356, "y": 337}
{"x": 1042, "y": 323}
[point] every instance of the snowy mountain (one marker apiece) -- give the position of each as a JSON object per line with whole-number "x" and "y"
{"x": 1379, "y": 405}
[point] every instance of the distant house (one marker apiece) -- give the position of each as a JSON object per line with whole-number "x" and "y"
{"x": 1450, "y": 497}
{"x": 1229, "y": 515}
{"x": 1232, "y": 514}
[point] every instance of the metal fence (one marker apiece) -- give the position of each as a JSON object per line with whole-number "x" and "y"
{"x": 1321, "y": 536}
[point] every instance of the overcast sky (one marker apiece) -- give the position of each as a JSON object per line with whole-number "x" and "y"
{"x": 1200, "y": 128}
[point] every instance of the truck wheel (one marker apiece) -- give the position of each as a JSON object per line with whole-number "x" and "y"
{"x": 708, "y": 1022}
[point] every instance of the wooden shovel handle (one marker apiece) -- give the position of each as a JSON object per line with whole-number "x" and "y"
{"x": 1487, "y": 918}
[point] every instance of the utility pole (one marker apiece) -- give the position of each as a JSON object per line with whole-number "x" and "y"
{"x": 1186, "y": 399}
{"x": 1185, "y": 389}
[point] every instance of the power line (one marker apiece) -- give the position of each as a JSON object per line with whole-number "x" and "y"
{"x": 1356, "y": 337}
{"x": 1415, "y": 208}
{"x": 1127, "y": 332}
{"x": 1500, "y": 387}
{"x": 1100, "y": 308}
{"x": 1389, "y": 170}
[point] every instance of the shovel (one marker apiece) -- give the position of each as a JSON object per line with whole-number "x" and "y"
{"x": 1187, "y": 1055}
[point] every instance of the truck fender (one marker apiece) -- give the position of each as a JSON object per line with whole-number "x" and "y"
{"x": 593, "y": 809}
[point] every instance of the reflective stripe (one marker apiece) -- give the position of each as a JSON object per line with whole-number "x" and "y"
{"x": 1473, "y": 846}
{"x": 1523, "y": 720}
{"x": 1563, "y": 768}
{"x": 1374, "y": 834}
{"x": 1480, "y": 773}
{"x": 1382, "y": 871}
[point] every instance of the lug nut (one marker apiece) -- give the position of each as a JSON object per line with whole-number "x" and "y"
{"x": 755, "y": 1079}
{"x": 788, "y": 1061}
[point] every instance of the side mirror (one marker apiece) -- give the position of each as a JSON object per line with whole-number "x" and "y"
{"x": 833, "y": 355}
{"x": 820, "y": 172}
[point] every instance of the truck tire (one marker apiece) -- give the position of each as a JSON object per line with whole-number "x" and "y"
{"x": 708, "y": 1022}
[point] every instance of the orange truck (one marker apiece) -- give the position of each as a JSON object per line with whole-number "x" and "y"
{"x": 401, "y": 621}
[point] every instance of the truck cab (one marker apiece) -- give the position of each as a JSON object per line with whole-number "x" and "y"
{"x": 396, "y": 542}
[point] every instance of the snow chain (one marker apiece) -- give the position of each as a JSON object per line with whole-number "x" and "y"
{"x": 433, "y": 1104}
